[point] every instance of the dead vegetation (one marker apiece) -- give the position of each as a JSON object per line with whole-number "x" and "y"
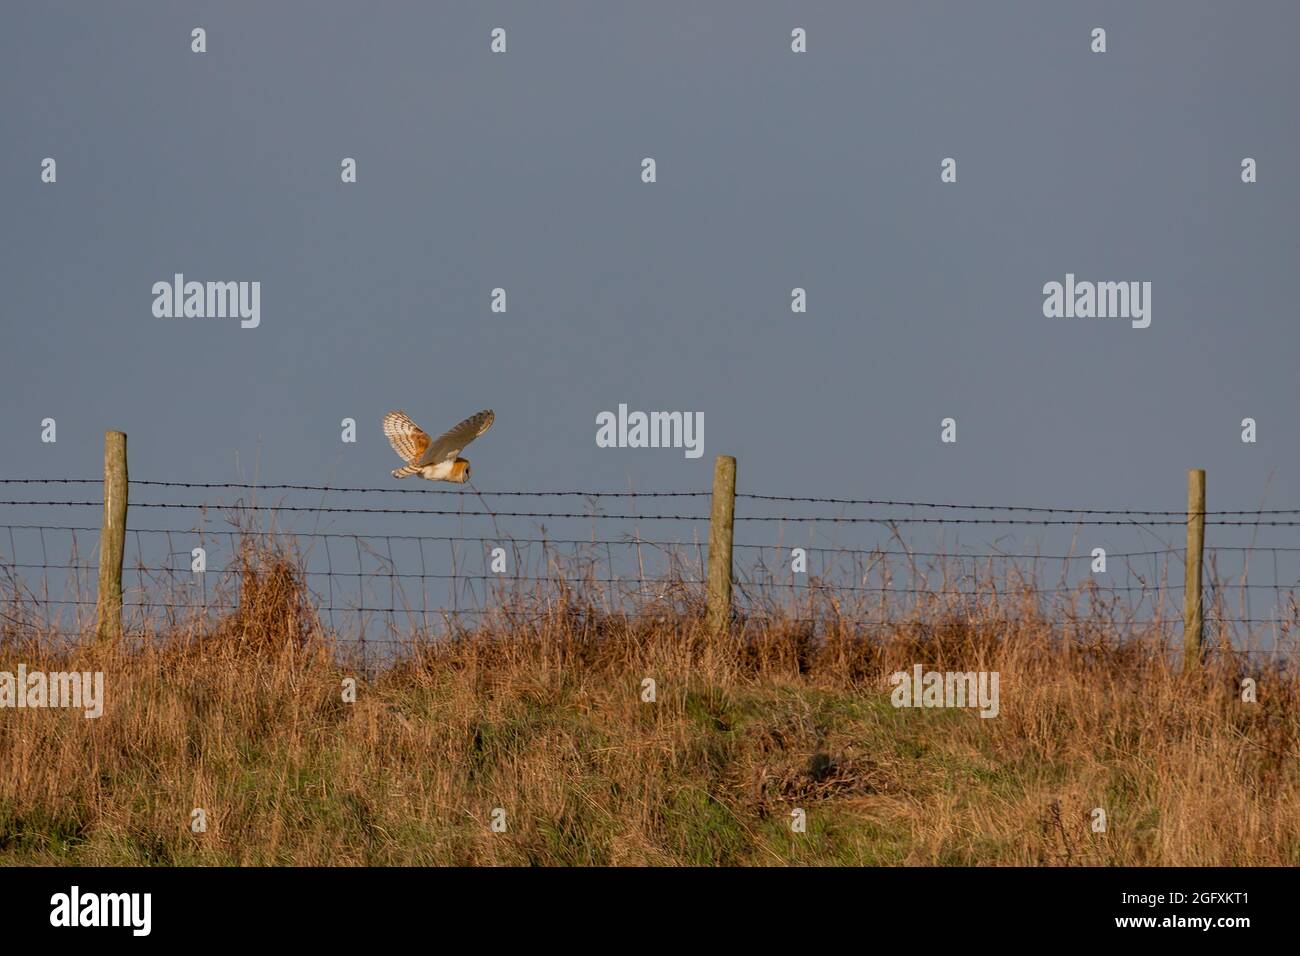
{"x": 540, "y": 714}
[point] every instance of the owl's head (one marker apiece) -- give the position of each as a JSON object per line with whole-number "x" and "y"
{"x": 460, "y": 471}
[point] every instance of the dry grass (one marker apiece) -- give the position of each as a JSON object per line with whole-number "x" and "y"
{"x": 542, "y": 716}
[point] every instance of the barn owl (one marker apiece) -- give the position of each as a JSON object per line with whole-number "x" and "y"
{"x": 434, "y": 459}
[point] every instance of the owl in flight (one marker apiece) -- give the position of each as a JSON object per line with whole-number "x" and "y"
{"x": 434, "y": 458}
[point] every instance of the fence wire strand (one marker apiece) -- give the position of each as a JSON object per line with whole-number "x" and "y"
{"x": 412, "y": 580}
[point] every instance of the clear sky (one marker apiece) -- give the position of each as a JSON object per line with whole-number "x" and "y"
{"x": 775, "y": 170}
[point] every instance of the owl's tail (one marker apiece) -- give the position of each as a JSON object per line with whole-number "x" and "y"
{"x": 406, "y": 471}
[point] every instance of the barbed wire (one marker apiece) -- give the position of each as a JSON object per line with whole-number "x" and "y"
{"x": 360, "y": 490}
{"x": 879, "y": 502}
{"x": 597, "y": 516}
{"x": 334, "y": 509}
{"x": 1031, "y": 508}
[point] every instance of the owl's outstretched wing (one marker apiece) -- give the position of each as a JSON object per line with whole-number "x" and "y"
{"x": 449, "y": 445}
{"x": 407, "y": 438}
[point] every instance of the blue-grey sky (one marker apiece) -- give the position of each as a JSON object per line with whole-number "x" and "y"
{"x": 775, "y": 170}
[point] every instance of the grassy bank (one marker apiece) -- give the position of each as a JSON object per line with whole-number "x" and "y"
{"x": 545, "y": 720}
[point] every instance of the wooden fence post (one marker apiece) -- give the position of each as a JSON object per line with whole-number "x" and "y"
{"x": 721, "y": 524}
{"x": 112, "y": 539}
{"x": 1193, "y": 622}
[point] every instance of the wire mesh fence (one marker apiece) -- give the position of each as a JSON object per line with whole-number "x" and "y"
{"x": 389, "y": 570}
